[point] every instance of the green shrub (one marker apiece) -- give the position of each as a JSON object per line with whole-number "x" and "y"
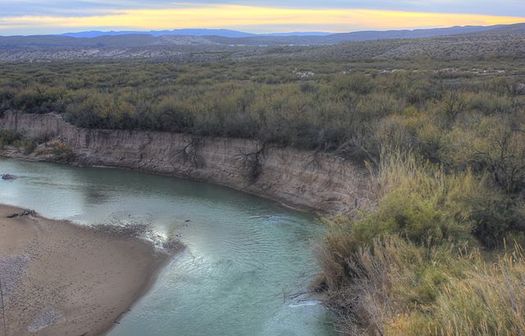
{"x": 496, "y": 217}
{"x": 346, "y": 85}
{"x": 8, "y": 137}
{"x": 62, "y": 152}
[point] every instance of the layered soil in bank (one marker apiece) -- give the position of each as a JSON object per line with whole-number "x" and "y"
{"x": 298, "y": 178}
{"x": 58, "y": 278}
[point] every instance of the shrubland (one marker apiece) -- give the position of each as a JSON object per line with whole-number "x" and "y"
{"x": 439, "y": 255}
{"x": 439, "y": 252}
{"x": 333, "y": 106}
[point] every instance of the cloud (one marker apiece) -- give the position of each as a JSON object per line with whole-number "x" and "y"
{"x": 251, "y": 18}
{"x": 91, "y": 7}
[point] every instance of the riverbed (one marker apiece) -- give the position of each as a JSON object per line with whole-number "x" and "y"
{"x": 247, "y": 260}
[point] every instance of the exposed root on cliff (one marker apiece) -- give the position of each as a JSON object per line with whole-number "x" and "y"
{"x": 190, "y": 152}
{"x": 252, "y": 162}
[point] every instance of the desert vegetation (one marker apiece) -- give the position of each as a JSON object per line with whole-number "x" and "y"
{"x": 457, "y": 43}
{"x": 439, "y": 253}
{"x": 346, "y": 108}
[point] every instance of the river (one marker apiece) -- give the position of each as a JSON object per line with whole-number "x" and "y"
{"x": 247, "y": 260}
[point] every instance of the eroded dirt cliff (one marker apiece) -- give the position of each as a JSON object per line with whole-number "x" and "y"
{"x": 298, "y": 178}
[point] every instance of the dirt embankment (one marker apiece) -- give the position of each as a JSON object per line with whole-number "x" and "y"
{"x": 298, "y": 178}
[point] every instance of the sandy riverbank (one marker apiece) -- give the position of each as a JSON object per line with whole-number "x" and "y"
{"x": 62, "y": 279}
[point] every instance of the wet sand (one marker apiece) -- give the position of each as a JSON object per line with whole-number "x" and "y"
{"x": 62, "y": 279}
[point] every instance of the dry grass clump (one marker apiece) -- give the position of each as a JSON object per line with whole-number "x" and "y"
{"x": 396, "y": 288}
{"x": 412, "y": 266}
{"x": 489, "y": 300}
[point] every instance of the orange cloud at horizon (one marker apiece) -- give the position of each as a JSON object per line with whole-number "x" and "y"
{"x": 223, "y": 16}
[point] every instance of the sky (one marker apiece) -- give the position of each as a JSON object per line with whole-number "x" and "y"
{"x": 24, "y": 17}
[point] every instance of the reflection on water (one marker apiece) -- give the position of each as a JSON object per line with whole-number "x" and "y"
{"x": 244, "y": 255}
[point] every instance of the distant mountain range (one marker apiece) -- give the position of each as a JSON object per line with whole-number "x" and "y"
{"x": 317, "y": 36}
{"x": 225, "y": 37}
{"x": 187, "y": 32}
{"x": 209, "y": 44}
{"x": 175, "y": 32}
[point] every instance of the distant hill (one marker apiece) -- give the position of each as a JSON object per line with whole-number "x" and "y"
{"x": 499, "y": 41}
{"x": 411, "y": 34}
{"x": 298, "y": 37}
{"x": 297, "y": 34}
{"x": 174, "y": 32}
{"x": 198, "y": 44}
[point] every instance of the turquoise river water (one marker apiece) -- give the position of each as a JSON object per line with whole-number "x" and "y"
{"x": 245, "y": 261}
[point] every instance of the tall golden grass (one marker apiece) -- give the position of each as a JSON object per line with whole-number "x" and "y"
{"x": 411, "y": 266}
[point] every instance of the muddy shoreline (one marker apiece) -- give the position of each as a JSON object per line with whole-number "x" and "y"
{"x": 59, "y": 278}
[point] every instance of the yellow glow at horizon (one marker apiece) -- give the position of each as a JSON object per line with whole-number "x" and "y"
{"x": 219, "y": 16}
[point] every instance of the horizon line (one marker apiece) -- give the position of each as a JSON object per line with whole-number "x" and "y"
{"x": 291, "y": 32}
